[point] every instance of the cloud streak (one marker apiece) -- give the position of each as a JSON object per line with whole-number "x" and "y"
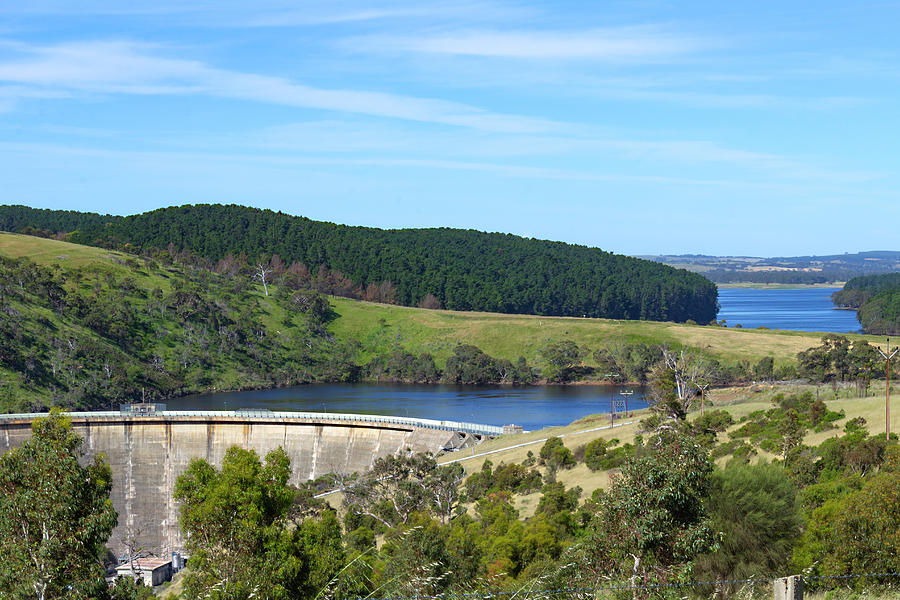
{"x": 622, "y": 44}
{"x": 180, "y": 159}
{"x": 128, "y": 68}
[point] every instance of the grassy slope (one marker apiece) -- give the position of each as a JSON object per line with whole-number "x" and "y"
{"x": 49, "y": 253}
{"x": 379, "y": 328}
{"x": 93, "y": 265}
{"x": 739, "y": 402}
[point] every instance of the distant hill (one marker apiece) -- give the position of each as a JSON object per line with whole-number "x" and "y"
{"x": 453, "y": 268}
{"x": 877, "y": 300}
{"x": 785, "y": 269}
{"x": 84, "y": 327}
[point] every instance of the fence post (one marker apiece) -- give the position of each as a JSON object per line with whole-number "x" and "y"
{"x": 789, "y": 588}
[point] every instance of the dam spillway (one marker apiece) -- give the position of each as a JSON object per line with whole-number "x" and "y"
{"x": 148, "y": 452}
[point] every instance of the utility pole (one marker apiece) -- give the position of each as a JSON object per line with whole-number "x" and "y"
{"x": 702, "y": 396}
{"x": 625, "y": 394}
{"x": 612, "y": 390}
{"x": 887, "y": 388}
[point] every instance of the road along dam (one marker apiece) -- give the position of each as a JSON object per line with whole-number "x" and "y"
{"x": 147, "y": 451}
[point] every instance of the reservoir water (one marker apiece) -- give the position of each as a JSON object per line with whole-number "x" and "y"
{"x": 531, "y": 407}
{"x": 804, "y": 309}
{"x": 801, "y": 309}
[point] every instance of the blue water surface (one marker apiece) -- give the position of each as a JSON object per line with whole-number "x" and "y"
{"x": 532, "y": 407}
{"x": 802, "y": 309}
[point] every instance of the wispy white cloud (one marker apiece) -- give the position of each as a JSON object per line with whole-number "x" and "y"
{"x": 157, "y": 159}
{"x": 343, "y": 137}
{"x": 332, "y": 13}
{"x": 621, "y": 44}
{"x": 372, "y": 141}
{"x": 271, "y": 13}
{"x": 129, "y": 68}
{"x": 714, "y": 99}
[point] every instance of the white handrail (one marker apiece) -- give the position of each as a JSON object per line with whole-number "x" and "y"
{"x": 256, "y": 415}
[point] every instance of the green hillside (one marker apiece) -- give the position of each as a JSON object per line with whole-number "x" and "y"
{"x": 451, "y": 268}
{"x": 877, "y": 300}
{"x": 88, "y": 327}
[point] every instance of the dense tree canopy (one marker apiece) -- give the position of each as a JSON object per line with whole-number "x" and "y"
{"x": 877, "y": 300}
{"x": 55, "y": 517}
{"x": 241, "y": 542}
{"x": 755, "y": 507}
{"x": 459, "y": 269}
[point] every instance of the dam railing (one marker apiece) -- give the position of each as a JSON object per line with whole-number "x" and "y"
{"x": 256, "y": 415}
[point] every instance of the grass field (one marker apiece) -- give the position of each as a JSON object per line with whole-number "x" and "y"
{"x": 48, "y": 252}
{"x": 379, "y": 327}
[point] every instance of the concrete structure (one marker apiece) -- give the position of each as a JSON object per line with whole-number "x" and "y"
{"x": 152, "y": 571}
{"x": 788, "y": 588}
{"x": 147, "y": 453}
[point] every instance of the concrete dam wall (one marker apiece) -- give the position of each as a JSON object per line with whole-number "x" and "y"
{"x": 148, "y": 453}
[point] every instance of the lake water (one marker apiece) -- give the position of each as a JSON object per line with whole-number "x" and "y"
{"x": 805, "y": 309}
{"x": 802, "y": 309}
{"x": 531, "y": 407}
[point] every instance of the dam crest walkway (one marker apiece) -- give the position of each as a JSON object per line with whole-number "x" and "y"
{"x": 254, "y": 415}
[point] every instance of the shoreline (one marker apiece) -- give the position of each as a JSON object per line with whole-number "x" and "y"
{"x": 778, "y": 286}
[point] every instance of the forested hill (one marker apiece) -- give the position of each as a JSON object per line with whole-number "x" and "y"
{"x": 877, "y": 300}
{"x": 457, "y": 269}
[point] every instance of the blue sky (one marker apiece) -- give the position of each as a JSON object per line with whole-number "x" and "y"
{"x": 764, "y": 128}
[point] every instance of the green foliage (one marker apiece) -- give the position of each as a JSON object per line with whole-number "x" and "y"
{"x": 764, "y": 369}
{"x": 877, "y": 298}
{"x": 469, "y": 365}
{"x": 417, "y": 559}
{"x": 402, "y": 366}
{"x": 652, "y": 523}
{"x": 755, "y": 508}
{"x": 837, "y": 359}
{"x": 706, "y": 427}
{"x": 559, "y": 506}
{"x": 562, "y": 358}
{"x": 594, "y": 453}
{"x": 632, "y": 362}
{"x": 463, "y": 270}
{"x": 858, "y": 532}
{"x": 55, "y": 516}
{"x": 514, "y": 478}
{"x": 237, "y": 534}
{"x": 781, "y": 429}
{"x": 398, "y": 487}
{"x": 555, "y": 455}
{"x": 90, "y": 337}
{"x": 855, "y": 452}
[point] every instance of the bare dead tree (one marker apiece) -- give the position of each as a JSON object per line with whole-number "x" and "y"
{"x": 676, "y": 383}
{"x": 261, "y": 273}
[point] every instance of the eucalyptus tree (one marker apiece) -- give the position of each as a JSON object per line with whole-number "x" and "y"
{"x": 55, "y": 516}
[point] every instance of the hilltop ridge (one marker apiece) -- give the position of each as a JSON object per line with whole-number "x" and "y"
{"x": 451, "y": 268}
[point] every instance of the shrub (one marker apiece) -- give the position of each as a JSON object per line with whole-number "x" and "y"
{"x": 555, "y": 455}
{"x": 594, "y": 453}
